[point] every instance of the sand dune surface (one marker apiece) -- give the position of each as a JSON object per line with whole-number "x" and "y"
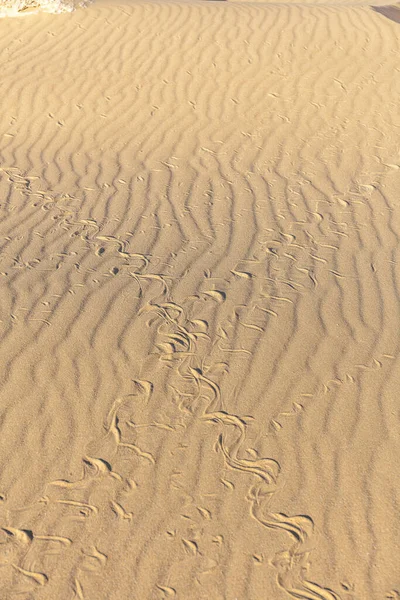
{"x": 199, "y": 302}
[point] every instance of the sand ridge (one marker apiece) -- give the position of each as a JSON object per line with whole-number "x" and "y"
{"x": 199, "y": 303}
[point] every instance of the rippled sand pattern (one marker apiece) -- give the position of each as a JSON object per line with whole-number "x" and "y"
{"x": 199, "y": 303}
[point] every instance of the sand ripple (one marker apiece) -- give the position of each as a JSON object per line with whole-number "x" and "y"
{"x": 199, "y": 303}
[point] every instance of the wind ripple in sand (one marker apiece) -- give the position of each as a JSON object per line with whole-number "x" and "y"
{"x": 212, "y": 217}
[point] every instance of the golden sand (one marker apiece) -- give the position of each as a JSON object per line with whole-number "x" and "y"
{"x": 199, "y": 302}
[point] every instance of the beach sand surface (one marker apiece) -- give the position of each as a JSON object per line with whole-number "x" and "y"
{"x": 199, "y": 302}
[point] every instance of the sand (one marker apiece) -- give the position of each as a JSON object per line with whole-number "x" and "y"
{"x": 199, "y": 302}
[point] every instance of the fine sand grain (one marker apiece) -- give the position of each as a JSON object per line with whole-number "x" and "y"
{"x": 199, "y": 302}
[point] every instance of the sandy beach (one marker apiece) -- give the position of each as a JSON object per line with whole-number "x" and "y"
{"x": 200, "y": 302}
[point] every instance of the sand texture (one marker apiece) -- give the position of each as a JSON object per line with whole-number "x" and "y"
{"x": 200, "y": 303}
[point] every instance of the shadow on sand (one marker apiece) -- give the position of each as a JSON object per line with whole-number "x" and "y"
{"x": 391, "y": 12}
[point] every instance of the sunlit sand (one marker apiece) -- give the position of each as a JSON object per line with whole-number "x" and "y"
{"x": 199, "y": 302}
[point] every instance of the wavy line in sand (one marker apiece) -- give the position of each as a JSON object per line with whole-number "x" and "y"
{"x": 19, "y": 547}
{"x": 292, "y": 563}
{"x": 183, "y": 334}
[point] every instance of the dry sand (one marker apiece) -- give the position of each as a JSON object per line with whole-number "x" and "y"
{"x": 199, "y": 302}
